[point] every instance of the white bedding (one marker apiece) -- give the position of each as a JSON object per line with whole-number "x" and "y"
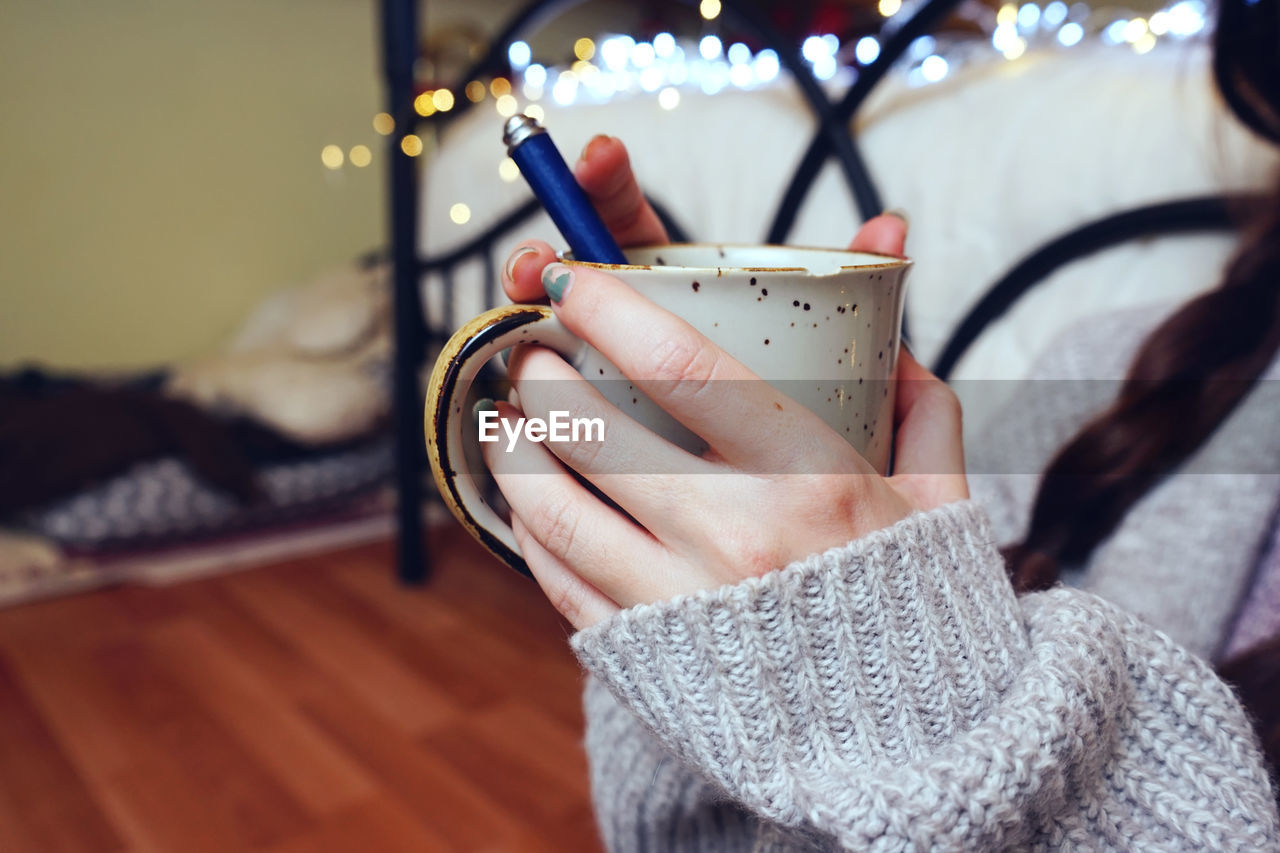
{"x": 989, "y": 164}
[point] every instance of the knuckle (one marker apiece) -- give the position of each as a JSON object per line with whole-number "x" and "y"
{"x": 556, "y": 523}
{"x": 684, "y": 364}
{"x": 569, "y": 600}
{"x": 581, "y": 455}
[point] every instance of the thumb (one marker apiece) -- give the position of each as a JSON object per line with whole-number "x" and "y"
{"x": 885, "y": 234}
{"x": 928, "y": 447}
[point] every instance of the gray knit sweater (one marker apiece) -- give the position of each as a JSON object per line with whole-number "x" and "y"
{"x": 894, "y": 694}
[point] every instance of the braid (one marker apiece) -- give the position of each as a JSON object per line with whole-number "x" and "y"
{"x": 1186, "y": 378}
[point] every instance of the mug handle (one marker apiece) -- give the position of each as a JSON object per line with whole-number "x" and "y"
{"x": 455, "y": 371}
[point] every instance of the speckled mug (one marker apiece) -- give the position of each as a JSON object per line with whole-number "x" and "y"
{"x": 821, "y": 325}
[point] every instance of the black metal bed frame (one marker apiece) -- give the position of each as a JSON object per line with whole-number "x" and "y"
{"x": 833, "y": 138}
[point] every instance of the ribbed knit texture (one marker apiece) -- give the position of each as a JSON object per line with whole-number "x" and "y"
{"x": 892, "y": 694}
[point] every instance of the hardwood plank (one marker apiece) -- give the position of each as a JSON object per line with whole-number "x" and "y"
{"x": 540, "y": 741}
{"x": 382, "y": 824}
{"x": 316, "y": 772}
{"x": 310, "y": 705}
{"x": 446, "y": 657}
{"x": 543, "y": 786}
{"x": 445, "y": 801}
{"x": 44, "y": 805}
{"x": 346, "y": 655}
{"x": 189, "y": 756}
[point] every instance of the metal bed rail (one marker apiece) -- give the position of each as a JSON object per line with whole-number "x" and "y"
{"x": 832, "y": 138}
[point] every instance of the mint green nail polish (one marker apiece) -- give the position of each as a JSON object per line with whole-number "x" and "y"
{"x": 556, "y": 279}
{"x": 484, "y": 405}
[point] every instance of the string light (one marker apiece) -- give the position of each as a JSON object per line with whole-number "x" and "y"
{"x": 460, "y": 214}
{"x": 1070, "y": 34}
{"x": 643, "y": 55}
{"x": 565, "y": 89}
{"x": 1185, "y": 18}
{"x": 1054, "y": 14}
{"x": 519, "y": 55}
{"x": 616, "y": 52}
{"x": 331, "y": 157}
{"x": 508, "y": 170}
{"x": 535, "y": 75}
{"x": 506, "y": 105}
{"x": 651, "y": 79}
{"x": 663, "y": 66}
{"x": 867, "y": 50}
{"x": 1135, "y": 30}
{"x": 934, "y": 68}
{"x": 766, "y": 65}
{"x": 360, "y": 156}
{"x": 411, "y": 145}
{"x": 535, "y": 112}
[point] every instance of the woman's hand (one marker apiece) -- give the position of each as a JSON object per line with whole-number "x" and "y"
{"x": 720, "y": 520}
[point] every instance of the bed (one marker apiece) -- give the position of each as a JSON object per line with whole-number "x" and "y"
{"x": 1039, "y": 190}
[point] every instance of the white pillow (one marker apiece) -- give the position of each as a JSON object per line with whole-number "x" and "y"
{"x": 989, "y": 164}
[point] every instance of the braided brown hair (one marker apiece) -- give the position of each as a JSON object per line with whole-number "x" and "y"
{"x": 1186, "y": 378}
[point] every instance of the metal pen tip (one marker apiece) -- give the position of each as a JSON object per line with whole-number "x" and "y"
{"x": 519, "y": 128}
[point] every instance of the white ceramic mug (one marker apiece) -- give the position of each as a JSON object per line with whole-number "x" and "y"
{"x": 821, "y": 325}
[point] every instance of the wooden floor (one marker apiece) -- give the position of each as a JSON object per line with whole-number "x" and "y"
{"x": 308, "y": 706}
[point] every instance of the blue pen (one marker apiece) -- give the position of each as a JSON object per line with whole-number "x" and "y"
{"x": 554, "y": 185}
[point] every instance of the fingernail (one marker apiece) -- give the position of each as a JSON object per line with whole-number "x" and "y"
{"x": 510, "y": 269}
{"x": 556, "y": 279}
{"x": 587, "y": 148}
{"x": 483, "y": 405}
{"x": 901, "y": 214}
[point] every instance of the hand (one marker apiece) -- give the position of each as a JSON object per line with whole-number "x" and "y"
{"x": 679, "y": 533}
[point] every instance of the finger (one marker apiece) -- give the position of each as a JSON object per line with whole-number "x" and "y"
{"x": 576, "y": 600}
{"x": 522, "y": 271}
{"x": 604, "y": 172}
{"x": 885, "y": 234}
{"x": 745, "y": 421}
{"x": 621, "y": 457}
{"x": 594, "y": 540}
{"x": 928, "y": 445}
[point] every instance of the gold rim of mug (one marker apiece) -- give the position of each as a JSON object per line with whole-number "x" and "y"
{"x": 890, "y": 262}
{"x": 473, "y": 335}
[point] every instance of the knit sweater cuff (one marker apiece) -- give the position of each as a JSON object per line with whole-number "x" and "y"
{"x": 874, "y": 652}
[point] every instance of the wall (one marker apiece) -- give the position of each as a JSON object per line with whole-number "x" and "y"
{"x": 161, "y": 168}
